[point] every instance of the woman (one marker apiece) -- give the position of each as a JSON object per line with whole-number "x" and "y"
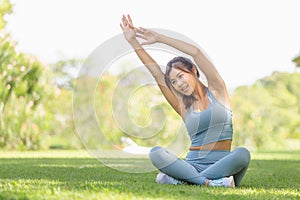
{"x": 204, "y": 109}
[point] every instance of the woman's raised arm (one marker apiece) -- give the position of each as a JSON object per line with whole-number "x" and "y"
{"x": 130, "y": 33}
{"x": 215, "y": 82}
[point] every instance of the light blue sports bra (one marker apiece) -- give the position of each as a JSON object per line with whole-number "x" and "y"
{"x": 210, "y": 125}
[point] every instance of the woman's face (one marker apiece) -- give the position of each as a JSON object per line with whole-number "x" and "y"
{"x": 182, "y": 81}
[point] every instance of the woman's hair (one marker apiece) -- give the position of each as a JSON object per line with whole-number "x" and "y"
{"x": 186, "y": 66}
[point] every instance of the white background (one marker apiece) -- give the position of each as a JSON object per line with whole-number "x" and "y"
{"x": 245, "y": 39}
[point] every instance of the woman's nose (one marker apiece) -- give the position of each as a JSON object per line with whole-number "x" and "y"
{"x": 180, "y": 83}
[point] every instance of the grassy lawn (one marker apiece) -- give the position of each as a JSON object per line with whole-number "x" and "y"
{"x": 77, "y": 175}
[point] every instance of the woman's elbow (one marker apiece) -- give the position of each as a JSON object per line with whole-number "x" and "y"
{"x": 195, "y": 52}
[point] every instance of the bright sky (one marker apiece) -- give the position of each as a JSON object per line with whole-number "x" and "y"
{"x": 245, "y": 39}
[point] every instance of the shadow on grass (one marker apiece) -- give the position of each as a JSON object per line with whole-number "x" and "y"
{"x": 87, "y": 175}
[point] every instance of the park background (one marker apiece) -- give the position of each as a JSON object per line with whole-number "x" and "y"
{"x": 36, "y": 90}
{"x": 259, "y": 55}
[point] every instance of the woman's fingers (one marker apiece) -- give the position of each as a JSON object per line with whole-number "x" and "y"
{"x": 141, "y": 36}
{"x": 130, "y": 21}
{"x": 139, "y": 31}
{"x": 129, "y": 18}
{"x": 121, "y": 26}
{"x": 145, "y": 43}
{"x": 143, "y": 30}
{"x": 124, "y": 20}
{"x": 127, "y": 23}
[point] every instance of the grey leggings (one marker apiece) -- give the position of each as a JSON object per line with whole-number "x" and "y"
{"x": 234, "y": 164}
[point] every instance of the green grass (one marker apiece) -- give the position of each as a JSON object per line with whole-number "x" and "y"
{"x": 76, "y": 175}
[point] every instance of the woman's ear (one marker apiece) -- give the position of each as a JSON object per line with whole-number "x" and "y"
{"x": 195, "y": 71}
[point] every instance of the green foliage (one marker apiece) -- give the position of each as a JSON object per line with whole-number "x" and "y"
{"x": 65, "y": 72}
{"x": 24, "y": 90}
{"x": 125, "y": 108}
{"x": 296, "y": 60}
{"x": 5, "y": 8}
{"x": 62, "y": 133}
{"x": 267, "y": 113}
{"x": 35, "y": 113}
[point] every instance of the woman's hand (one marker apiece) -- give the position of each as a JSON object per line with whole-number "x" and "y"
{"x": 131, "y": 32}
{"x": 148, "y": 35}
{"x": 128, "y": 29}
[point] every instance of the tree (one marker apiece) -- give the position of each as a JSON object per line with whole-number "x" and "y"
{"x": 65, "y": 72}
{"x": 267, "y": 112}
{"x": 296, "y": 60}
{"x": 5, "y": 8}
{"x": 24, "y": 90}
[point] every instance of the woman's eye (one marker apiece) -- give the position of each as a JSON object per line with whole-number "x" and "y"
{"x": 180, "y": 75}
{"x": 173, "y": 82}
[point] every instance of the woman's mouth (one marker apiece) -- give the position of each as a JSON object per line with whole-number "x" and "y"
{"x": 185, "y": 88}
